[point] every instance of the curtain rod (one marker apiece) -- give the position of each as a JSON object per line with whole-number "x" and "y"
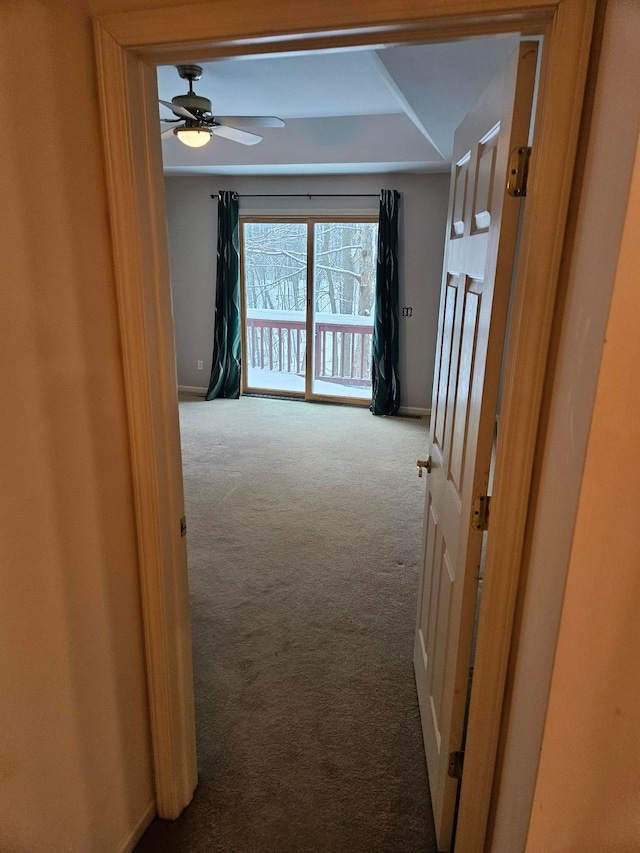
{"x": 304, "y": 195}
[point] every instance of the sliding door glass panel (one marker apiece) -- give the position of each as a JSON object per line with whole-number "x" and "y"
{"x": 344, "y": 277}
{"x": 275, "y": 299}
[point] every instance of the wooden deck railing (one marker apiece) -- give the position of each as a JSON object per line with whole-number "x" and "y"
{"x": 276, "y": 341}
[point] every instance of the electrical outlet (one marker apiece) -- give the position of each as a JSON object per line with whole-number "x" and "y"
{"x": 407, "y": 311}
{"x": 200, "y": 365}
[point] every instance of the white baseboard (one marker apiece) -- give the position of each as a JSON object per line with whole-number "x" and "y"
{"x": 192, "y": 389}
{"x": 136, "y": 833}
{"x": 403, "y": 410}
{"x": 413, "y": 410}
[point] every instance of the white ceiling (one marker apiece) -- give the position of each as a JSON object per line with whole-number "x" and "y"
{"x": 390, "y": 109}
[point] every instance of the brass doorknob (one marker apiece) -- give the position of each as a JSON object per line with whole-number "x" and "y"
{"x": 424, "y": 463}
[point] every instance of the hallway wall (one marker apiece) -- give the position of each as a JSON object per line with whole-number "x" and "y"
{"x": 587, "y": 793}
{"x": 75, "y": 759}
{"x": 579, "y": 535}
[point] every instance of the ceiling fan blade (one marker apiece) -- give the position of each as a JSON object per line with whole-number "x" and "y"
{"x": 251, "y": 121}
{"x": 165, "y": 134}
{"x": 236, "y": 135}
{"x": 177, "y": 110}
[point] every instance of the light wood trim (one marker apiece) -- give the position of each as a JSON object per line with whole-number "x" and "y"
{"x": 418, "y": 34}
{"x": 137, "y": 831}
{"x": 309, "y": 341}
{"x": 243, "y": 312}
{"x": 566, "y": 47}
{"x": 251, "y": 218}
{"x": 273, "y": 392}
{"x": 286, "y": 25}
{"x": 233, "y": 27}
{"x": 367, "y": 217}
{"x": 138, "y": 223}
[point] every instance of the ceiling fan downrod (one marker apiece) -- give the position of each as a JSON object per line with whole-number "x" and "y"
{"x": 190, "y": 73}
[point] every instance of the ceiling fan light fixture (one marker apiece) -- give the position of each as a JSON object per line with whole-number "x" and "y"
{"x": 194, "y": 137}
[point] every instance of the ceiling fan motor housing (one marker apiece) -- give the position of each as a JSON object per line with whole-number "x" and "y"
{"x": 193, "y": 103}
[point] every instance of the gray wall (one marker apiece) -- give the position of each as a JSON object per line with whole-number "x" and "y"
{"x": 191, "y": 218}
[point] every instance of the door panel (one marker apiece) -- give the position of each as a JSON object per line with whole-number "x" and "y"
{"x": 471, "y": 311}
{"x": 485, "y": 175}
{"x": 439, "y": 413}
{"x": 479, "y": 256}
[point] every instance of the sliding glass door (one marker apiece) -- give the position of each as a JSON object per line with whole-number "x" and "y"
{"x": 344, "y": 282}
{"x": 274, "y": 256}
{"x": 308, "y": 296}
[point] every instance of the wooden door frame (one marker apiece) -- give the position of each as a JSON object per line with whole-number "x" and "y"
{"x": 128, "y": 46}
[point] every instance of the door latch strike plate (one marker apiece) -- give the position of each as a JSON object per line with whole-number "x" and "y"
{"x": 518, "y": 171}
{"x": 183, "y": 526}
{"x": 480, "y": 513}
{"x": 456, "y": 761}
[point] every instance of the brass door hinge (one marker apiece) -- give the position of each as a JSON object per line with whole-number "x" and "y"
{"x": 480, "y": 513}
{"x": 518, "y": 171}
{"x": 183, "y": 526}
{"x": 456, "y": 761}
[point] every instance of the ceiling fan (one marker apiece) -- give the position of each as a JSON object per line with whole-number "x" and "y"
{"x": 198, "y": 123}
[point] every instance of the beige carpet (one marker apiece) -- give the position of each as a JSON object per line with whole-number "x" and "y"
{"x": 305, "y": 525}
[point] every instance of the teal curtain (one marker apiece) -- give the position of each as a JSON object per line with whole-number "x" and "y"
{"x": 227, "y": 348}
{"x": 385, "y": 397}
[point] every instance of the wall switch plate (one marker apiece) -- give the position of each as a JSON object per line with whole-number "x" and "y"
{"x": 200, "y": 365}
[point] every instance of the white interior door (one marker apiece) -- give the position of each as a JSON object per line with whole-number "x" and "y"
{"x": 479, "y": 255}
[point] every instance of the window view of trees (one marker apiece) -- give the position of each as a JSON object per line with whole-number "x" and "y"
{"x": 275, "y": 255}
{"x": 345, "y": 267}
{"x": 275, "y": 265}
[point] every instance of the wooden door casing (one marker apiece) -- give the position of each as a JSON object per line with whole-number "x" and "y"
{"x": 128, "y": 46}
